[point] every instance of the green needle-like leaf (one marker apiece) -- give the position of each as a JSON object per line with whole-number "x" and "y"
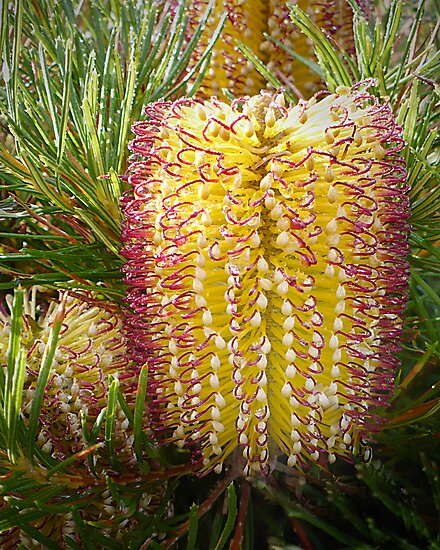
{"x": 261, "y": 68}
{"x": 15, "y": 373}
{"x": 335, "y": 71}
{"x": 110, "y": 419}
{"x": 62, "y": 466}
{"x": 193, "y": 524}
{"x": 38, "y": 536}
{"x": 139, "y": 409}
{"x": 230, "y": 521}
{"x": 43, "y": 377}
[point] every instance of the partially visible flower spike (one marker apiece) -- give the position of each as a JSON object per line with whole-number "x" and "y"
{"x": 265, "y": 249}
{"x": 248, "y": 21}
{"x": 55, "y": 527}
{"x": 90, "y": 349}
{"x": 335, "y": 18}
{"x": 288, "y": 69}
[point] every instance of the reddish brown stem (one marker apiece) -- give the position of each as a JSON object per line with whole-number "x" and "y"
{"x": 301, "y": 533}
{"x": 237, "y": 539}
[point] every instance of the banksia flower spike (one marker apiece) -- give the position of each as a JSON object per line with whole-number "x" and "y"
{"x": 90, "y": 349}
{"x": 265, "y": 250}
{"x": 55, "y": 527}
{"x": 335, "y": 17}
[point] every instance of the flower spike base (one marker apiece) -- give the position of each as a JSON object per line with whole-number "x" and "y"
{"x": 265, "y": 250}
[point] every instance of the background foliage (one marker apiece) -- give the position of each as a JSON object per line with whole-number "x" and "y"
{"x": 75, "y": 76}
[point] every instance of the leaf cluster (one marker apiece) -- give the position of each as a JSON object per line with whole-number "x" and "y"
{"x": 75, "y": 77}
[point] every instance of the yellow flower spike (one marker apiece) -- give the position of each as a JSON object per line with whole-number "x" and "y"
{"x": 335, "y": 17}
{"x": 267, "y": 273}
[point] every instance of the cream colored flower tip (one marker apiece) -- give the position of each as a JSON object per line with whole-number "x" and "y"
{"x": 265, "y": 248}
{"x": 90, "y": 349}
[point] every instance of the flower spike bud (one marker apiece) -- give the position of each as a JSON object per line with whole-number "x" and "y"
{"x": 297, "y": 330}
